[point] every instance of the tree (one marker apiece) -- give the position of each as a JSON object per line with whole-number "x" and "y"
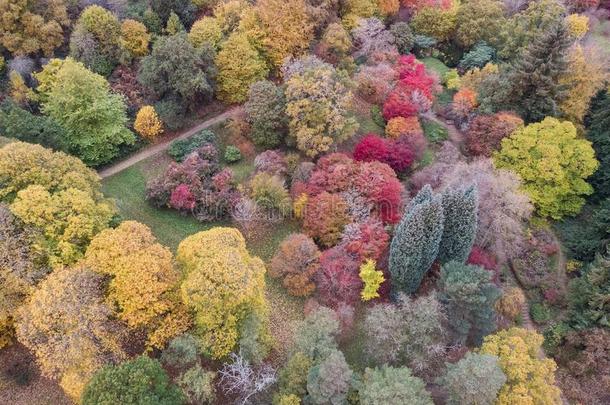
{"x": 435, "y": 22}
{"x": 372, "y": 280}
{"x": 175, "y": 70}
{"x": 387, "y": 385}
{"x": 317, "y": 107}
{"x": 134, "y": 38}
{"x": 222, "y": 286}
{"x": 583, "y": 79}
{"x": 139, "y": 381}
{"x": 239, "y": 65}
{"x": 174, "y": 25}
{"x": 325, "y": 217}
{"x": 82, "y": 103}
{"x": 416, "y": 241}
{"x": 315, "y": 336}
{"x": 403, "y": 37}
{"x": 532, "y": 85}
{"x": 96, "y": 40}
{"x": 287, "y": 28}
{"x": 503, "y": 210}
{"x": 292, "y": 379}
{"x": 297, "y": 261}
{"x": 266, "y": 111}
{"x": 22, "y": 266}
{"x": 206, "y": 29}
{"x": 329, "y": 381}
{"x": 336, "y": 44}
{"x": 32, "y": 26}
{"x": 370, "y": 36}
{"x": 480, "y": 20}
{"x": 460, "y": 207}
{"x": 198, "y": 385}
{"x": 142, "y": 280}
{"x": 578, "y": 25}
{"x": 599, "y": 135}
{"x": 529, "y": 378}
{"x": 239, "y": 378}
{"x": 410, "y": 332}
{"x": 21, "y": 124}
{"x": 550, "y": 147}
{"x": 147, "y": 123}
{"x": 69, "y": 327}
{"x": 337, "y": 280}
{"x": 485, "y": 132}
{"x": 469, "y": 297}
{"x": 475, "y": 379}
{"x": 183, "y": 8}
{"x": 269, "y": 192}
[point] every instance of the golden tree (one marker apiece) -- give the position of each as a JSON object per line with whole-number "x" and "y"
{"x": 147, "y": 123}
{"x": 134, "y": 38}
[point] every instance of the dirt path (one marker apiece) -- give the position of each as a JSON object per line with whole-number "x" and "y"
{"x": 154, "y": 149}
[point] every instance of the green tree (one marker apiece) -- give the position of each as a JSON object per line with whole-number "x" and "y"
{"x": 82, "y": 103}
{"x": 598, "y": 132}
{"x": 175, "y": 70}
{"x": 329, "y": 381}
{"x": 474, "y": 380}
{"x": 389, "y": 385}
{"x": 416, "y": 241}
{"x": 140, "y": 381}
{"x": 460, "y": 206}
{"x": 174, "y": 25}
{"x": 266, "y": 110}
{"x": 239, "y": 65}
{"x": 553, "y": 164}
{"x": 292, "y": 378}
{"x": 480, "y": 20}
{"x": 21, "y": 124}
{"x": 315, "y": 335}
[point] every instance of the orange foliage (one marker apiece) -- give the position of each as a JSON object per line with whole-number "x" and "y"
{"x": 402, "y": 126}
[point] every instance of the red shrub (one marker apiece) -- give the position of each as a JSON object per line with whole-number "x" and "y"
{"x": 378, "y": 184}
{"x": 399, "y": 104}
{"x": 487, "y": 131}
{"x": 338, "y": 280}
{"x": 182, "y": 198}
{"x": 416, "y": 142}
{"x": 325, "y": 217}
{"x": 397, "y": 155}
{"x": 481, "y": 257}
{"x": 367, "y": 240}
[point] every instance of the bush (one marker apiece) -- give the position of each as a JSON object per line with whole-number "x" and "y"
{"x": 232, "y": 154}
{"x": 198, "y": 385}
{"x": 403, "y": 37}
{"x": 296, "y": 261}
{"x": 272, "y": 162}
{"x": 485, "y": 132}
{"x": 269, "y": 192}
{"x": 377, "y": 116}
{"x": 171, "y": 114}
{"x": 540, "y": 313}
{"x": 477, "y": 57}
{"x": 401, "y": 126}
{"x": 397, "y": 155}
{"x": 181, "y": 148}
{"x": 181, "y": 352}
{"x": 365, "y": 240}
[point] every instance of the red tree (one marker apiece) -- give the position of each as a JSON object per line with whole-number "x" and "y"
{"x": 487, "y": 131}
{"x": 182, "y": 198}
{"x": 338, "y": 280}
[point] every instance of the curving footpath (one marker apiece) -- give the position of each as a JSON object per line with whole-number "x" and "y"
{"x": 154, "y": 149}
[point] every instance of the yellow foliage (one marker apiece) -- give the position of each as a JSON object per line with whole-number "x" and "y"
{"x": 529, "y": 379}
{"x": 47, "y": 78}
{"x": 287, "y": 27}
{"x": 147, "y": 123}
{"x": 228, "y": 14}
{"x": 584, "y": 77}
{"x": 239, "y": 65}
{"x": 402, "y": 126}
{"x": 357, "y": 9}
{"x": 206, "y": 29}
{"x": 134, "y": 38}
{"x": 452, "y": 79}
{"x": 435, "y": 22}
{"x": 298, "y": 207}
{"x": 20, "y": 92}
{"x": 510, "y": 303}
{"x": 143, "y": 281}
{"x": 372, "y": 280}
{"x": 578, "y": 25}
{"x": 474, "y": 77}
{"x": 222, "y": 286}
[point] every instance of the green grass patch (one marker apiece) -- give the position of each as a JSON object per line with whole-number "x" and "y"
{"x": 436, "y": 66}
{"x": 445, "y": 97}
{"x": 434, "y": 131}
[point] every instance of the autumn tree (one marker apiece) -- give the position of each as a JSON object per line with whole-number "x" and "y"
{"x": 96, "y": 40}
{"x": 317, "y": 108}
{"x": 142, "y": 280}
{"x": 584, "y": 78}
{"x": 222, "y": 285}
{"x": 81, "y": 101}
{"x": 35, "y": 26}
{"x": 55, "y": 194}
{"x": 393, "y": 385}
{"x": 134, "y": 38}
{"x": 239, "y": 65}
{"x": 206, "y": 29}
{"x": 528, "y": 377}
{"x": 329, "y": 381}
{"x": 266, "y": 111}
{"x": 435, "y": 22}
{"x": 486, "y": 131}
{"x": 287, "y": 28}
{"x": 460, "y": 207}
{"x": 69, "y": 327}
{"x": 177, "y": 71}
{"x": 372, "y": 280}
{"x": 469, "y": 298}
{"x": 136, "y": 381}
{"x": 296, "y": 262}
{"x": 480, "y": 20}
{"x": 475, "y": 379}
{"x": 147, "y": 123}
{"x": 292, "y": 378}
{"x": 550, "y": 147}
{"x": 416, "y": 241}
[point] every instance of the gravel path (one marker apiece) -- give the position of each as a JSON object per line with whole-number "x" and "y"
{"x": 154, "y": 149}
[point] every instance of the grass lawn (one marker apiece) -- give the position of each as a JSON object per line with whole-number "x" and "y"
{"x": 436, "y": 66}
{"x": 434, "y": 131}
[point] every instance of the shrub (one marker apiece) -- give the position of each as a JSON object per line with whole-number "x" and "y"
{"x": 372, "y": 280}
{"x": 401, "y": 126}
{"x": 481, "y": 257}
{"x": 292, "y": 378}
{"x": 181, "y": 352}
{"x": 232, "y": 154}
{"x": 171, "y": 113}
{"x": 181, "y": 148}
{"x": 325, "y": 217}
{"x": 270, "y": 192}
{"x": 434, "y": 131}
{"x": 297, "y": 261}
{"x": 403, "y": 37}
{"x": 374, "y": 83}
{"x": 198, "y": 385}
{"x": 206, "y": 29}
{"x": 399, "y": 104}
{"x": 511, "y": 303}
{"x": 477, "y": 57}
{"x": 338, "y": 280}
{"x": 147, "y": 123}
{"x": 272, "y": 162}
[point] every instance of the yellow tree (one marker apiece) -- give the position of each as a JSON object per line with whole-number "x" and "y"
{"x": 69, "y": 328}
{"x": 584, "y": 77}
{"x": 206, "y": 29}
{"x": 578, "y": 25}
{"x": 529, "y": 378}
{"x": 239, "y": 65}
{"x": 223, "y": 286}
{"x": 553, "y": 164}
{"x": 147, "y": 123}
{"x": 134, "y": 38}
{"x": 30, "y": 26}
{"x": 372, "y": 279}
{"x": 143, "y": 281}
{"x": 20, "y": 92}
{"x": 287, "y": 27}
